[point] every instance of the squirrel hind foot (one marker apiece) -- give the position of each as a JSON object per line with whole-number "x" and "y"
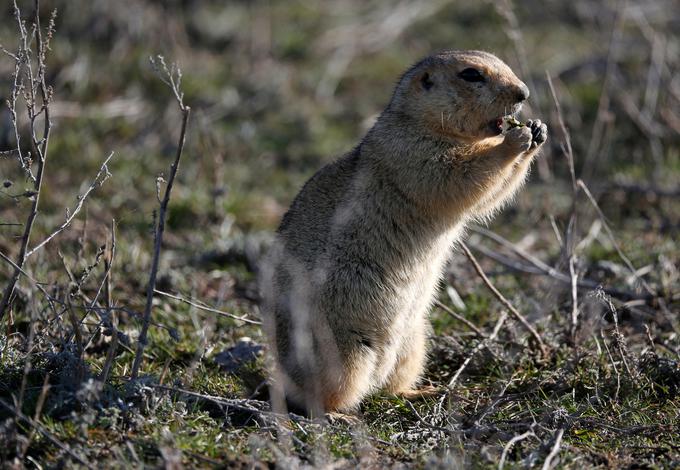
{"x": 425, "y": 391}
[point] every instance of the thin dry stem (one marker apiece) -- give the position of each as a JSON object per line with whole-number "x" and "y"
{"x": 616, "y": 370}
{"x": 209, "y": 309}
{"x": 513, "y": 31}
{"x": 482, "y": 344}
{"x": 160, "y": 225}
{"x": 554, "y": 451}
{"x": 511, "y": 443}
{"x": 102, "y": 175}
{"x": 536, "y": 266}
{"x": 48, "y": 435}
{"x": 36, "y": 416}
{"x": 502, "y": 298}
{"x": 460, "y": 318}
{"x": 612, "y": 238}
{"x": 568, "y": 239}
{"x": 574, "y": 297}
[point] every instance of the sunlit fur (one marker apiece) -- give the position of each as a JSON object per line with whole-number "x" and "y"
{"x": 358, "y": 257}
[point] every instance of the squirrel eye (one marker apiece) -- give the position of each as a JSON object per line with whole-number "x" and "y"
{"x": 471, "y": 75}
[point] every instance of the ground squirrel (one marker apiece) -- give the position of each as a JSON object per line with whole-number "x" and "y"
{"x": 356, "y": 261}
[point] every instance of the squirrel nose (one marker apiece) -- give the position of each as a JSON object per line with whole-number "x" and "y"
{"x": 523, "y": 92}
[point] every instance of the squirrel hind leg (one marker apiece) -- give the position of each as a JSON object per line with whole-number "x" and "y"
{"x": 344, "y": 392}
{"x": 334, "y": 387}
{"x": 410, "y": 363}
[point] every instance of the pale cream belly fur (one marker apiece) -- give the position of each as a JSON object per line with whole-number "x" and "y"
{"x": 411, "y": 325}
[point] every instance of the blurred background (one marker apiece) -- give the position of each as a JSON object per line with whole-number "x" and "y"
{"x": 280, "y": 88}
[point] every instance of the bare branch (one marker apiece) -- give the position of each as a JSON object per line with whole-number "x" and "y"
{"x": 537, "y": 266}
{"x": 102, "y": 175}
{"x": 108, "y": 263}
{"x": 174, "y": 77}
{"x": 574, "y": 296}
{"x": 39, "y": 146}
{"x": 568, "y": 239}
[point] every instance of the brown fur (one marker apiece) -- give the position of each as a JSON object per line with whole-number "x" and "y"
{"x": 356, "y": 262}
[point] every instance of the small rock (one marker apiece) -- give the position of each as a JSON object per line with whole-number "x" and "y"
{"x": 246, "y": 350}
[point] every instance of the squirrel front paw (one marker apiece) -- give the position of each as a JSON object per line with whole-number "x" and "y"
{"x": 518, "y": 139}
{"x": 539, "y": 132}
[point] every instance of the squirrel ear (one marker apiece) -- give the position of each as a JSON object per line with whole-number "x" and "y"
{"x": 426, "y": 81}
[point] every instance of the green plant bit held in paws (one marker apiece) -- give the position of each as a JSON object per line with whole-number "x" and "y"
{"x": 513, "y": 122}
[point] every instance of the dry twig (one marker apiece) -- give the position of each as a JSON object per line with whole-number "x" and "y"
{"x": 460, "y": 318}
{"x": 108, "y": 263}
{"x": 513, "y": 31}
{"x": 511, "y": 443}
{"x": 102, "y": 175}
{"x": 209, "y": 309}
{"x": 554, "y": 451}
{"x": 610, "y": 233}
{"x": 568, "y": 245}
{"x": 48, "y": 435}
{"x": 502, "y": 298}
{"x": 173, "y": 78}
{"x": 482, "y": 344}
{"x": 536, "y": 266}
{"x": 36, "y": 416}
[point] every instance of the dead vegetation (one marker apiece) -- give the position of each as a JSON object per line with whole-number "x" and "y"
{"x": 130, "y": 332}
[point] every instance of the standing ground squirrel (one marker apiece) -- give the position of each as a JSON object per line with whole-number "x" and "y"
{"x": 356, "y": 262}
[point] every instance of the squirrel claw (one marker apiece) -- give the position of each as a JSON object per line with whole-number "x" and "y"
{"x": 539, "y": 132}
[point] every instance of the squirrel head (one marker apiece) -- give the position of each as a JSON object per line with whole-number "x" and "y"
{"x": 459, "y": 95}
